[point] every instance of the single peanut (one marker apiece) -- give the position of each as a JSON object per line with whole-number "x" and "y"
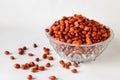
{"x": 48, "y": 65}
{"x": 12, "y": 57}
{"x": 75, "y": 64}
{"x": 74, "y": 71}
{"x": 17, "y": 66}
{"x": 52, "y": 77}
{"x": 44, "y": 56}
{"x": 35, "y": 45}
{"x": 41, "y": 68}
{"x": 6, "y": 52}
{"x": 33, "y": 70}
{"x": 37, "y": 59}
{"x": 50, "y": 58}
{"x": 30, "y": 54}
{"x": 29, "y": 77}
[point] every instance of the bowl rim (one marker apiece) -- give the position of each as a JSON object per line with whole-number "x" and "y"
{"x": 105, "y": 41}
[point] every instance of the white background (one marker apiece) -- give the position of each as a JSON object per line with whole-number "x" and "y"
{"x": 22, "y": 22}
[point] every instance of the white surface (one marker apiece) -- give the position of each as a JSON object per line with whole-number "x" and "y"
{"x": 22, "y": 22}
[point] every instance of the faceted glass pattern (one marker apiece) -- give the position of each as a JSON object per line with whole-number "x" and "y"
{"x": 82, "y": 53}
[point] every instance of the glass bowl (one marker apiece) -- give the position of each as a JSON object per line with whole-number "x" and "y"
{"x": 82, "y": 53}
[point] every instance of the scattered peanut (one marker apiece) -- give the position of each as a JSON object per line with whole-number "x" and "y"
{"x": 30, "y": 54}
{"x": 23, "y": 67}
{"x": 31, "y": 64}
{"x": 50, "y": 58}
{"x": 44, "y": 56}
{"x": 33, "y": 70}
{"x": 61, "y": 62}
{"x": 46, "y": 49}
{"x": 37, "y": 59}
{"x": 75, "y": 64}
{"x": 20, "y": 51}
{"x": 52, "y": 77}
{"x": 12, "y": 57}
{"x": 35, "y": 45}
{"x": 48, "y": 65}
{"x": 41, "y": 68}
{"x": 24, "y": 48}
{"x": 17, "y": 66}
{"x": 6, "y": 52}
{"x": 74, "y": 71}
{"x": 68, "y": 63}
{"x": 29, "y": 77}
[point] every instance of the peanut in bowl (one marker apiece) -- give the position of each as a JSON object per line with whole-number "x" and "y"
{"x": 82, "y": 53}
{"x": 78, "y": 38}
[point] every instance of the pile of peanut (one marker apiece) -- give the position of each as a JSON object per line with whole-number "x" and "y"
{"x": 78, "y": 30}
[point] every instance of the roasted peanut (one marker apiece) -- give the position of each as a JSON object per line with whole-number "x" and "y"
{"x": 75, "y": 64}
{"x": 41, "y": 68}
{"x": 35, "y": 45}
{"x": 24, "y": 48}
{"x": 20, "y": 51}
{"x": 68, "y": 63}
{"x": 61, "y": 62}
{"x": 37, "y": 59}
{"x": 29, "y": 77}
{"x": 74, "y": 71}
{"x": 46, "y": 49}
{"x": 12, "y": 57}
{"x": 33, "y": 70}
{"x": 17, "y": 66}
{"x": 88, "y": 41}
{"x": 31, "y": 64}
{"x": 36, "y": 66}
{"x": 30, "y": 54}
{"x": 44, "y": 56}
{"x": 50, "y": 58}
{"x": 52, "y": 77}
{"x": 6, "y": 52}
{"x": 48, "y": 65}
